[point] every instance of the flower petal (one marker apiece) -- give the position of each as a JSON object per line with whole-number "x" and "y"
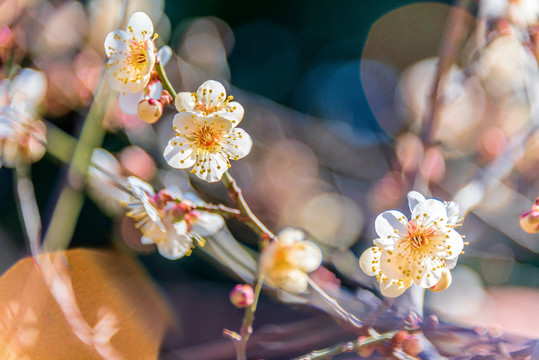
{"x": 290, "y": 279}
{"x": 129, "y": 101}
{"x": 394, "y": 265}
{"x": 453, "y": 213}
{"x": 414, "y": 198}
{"x": 290, "y": 235}
{"x": 179, "y": 153}
{"x": 237, "y": 143}
{"x": 428, "y": 272}
{"x": 185, "y": 101}
{"x": 430, "y": 212}
{"x": 390, "y": 226}
{"x": 369, "y": 261}
{"x": 211, "y": 167}
{"x": 185, "y": 123}
{"x": 453, "y": 244}
{"x": 304, "y": 255}
{"x": 164, "y": 54}
{"x": 394, "y": 287}
{"x": 233, "y": 112}
{"x": 116, "y": 41}
{"x": 140, "y": 188}
{"x": 208, "y": 224}
{"x": 211, "y": 93}
{"x": 140, "y": 26}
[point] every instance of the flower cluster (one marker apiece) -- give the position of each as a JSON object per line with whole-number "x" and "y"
{"x": 418, "y": 251}
{"x": 286, "y": 261}
{"x": 22, "y": 133}
{"x": 168, "y": 221}
{"x": 206, "y": 133}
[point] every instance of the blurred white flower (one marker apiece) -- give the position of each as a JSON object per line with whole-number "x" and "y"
{"x": 521, "y": 12}
{"x": 167, "y": 220}
{"x": 22, "y": 133}
{"x": 286, "y": 261}
{"x": 419, "y": 251}
{"x": 207, "y": 136}
{"x": 131, "y": 54}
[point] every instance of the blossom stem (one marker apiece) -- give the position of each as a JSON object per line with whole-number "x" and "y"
{"x": 28, "y": 210}
{"x": 222, "y": 210}
{"x": 343, "y": 314}
{"x": 164, "y": 80}
{"x": 236, "y": 195}
{"x": 347, "y": 347}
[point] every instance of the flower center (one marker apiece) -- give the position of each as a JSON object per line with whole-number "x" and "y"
{"x": 208, "y": 138}
{"x": 420, "y": 239}
{"x": 138, "y": 54}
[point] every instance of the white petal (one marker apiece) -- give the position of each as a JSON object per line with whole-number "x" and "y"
{"x": 394, "y": 265}
{"x": 164, "y": 54}
{"x": 305, "y": 255}
{"x": 208, "y": 224}
{"x": 179, "y": 153}
{"x": 290, "y": 235}
{"x": 146, "y": 240}
{"x": 390, "y": 226}
{"x": 237, "y": 143}
{"x": 185, "y": 122}
{"x": 291, "y": 280}
{"x": 116, "y": 41}
{"x": 29, "y": 88}
{"x": 369, "y": 261}
{"x": 427, "y": 273}
{"x": 451, "y": 263}
{"x": 430, "y": 212}
{"x": 140, "y": 188}
{"x": 392, "y": 287}
{"x": 217, "y": 165}
{"x": 453, "y": 244}
{"x": 453, "y": 213}
{"x": 233, "y": 112}
{"x": 140, "y": 26}
{"x": 211, "y": 93}
{"x": 414, "y": 198}
{"x": 185, "y": 101}
{"x": 156, "y": 88}
{"x": 129, "y": 101}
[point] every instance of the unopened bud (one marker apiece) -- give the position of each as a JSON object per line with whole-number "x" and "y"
{"x": 165, "y": 98}
{"x": 431, "y": 323}
{"x": 443, "y": 283}
{"x": 242, "y": 296}
{"x": 364, "y": 351}
{"x": 412, "y": 345}
{"x": 529, "y": 221}
{"x": 150, "y": 110}
{"x": 398, "y": 339}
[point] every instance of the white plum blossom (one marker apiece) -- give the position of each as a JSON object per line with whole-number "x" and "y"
{"x": 206, "y": 133}
{"x": 418, "y": 251}
{"x": 131, "y": 54}
{"x": 287, "y": 260}
{"x": 168, "y": 221}
{"x": 22, "y": 133}
{"x": 521, "y": 12}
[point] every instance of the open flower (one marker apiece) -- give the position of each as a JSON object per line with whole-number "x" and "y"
{"x": 22, "y": 133}
{"x": 206, "y": 133}
{"x": 286, "y": 261}
{"x": 131, "y": 54}
{"x": 168, "y": 221}
{"x": 420, "y": 251}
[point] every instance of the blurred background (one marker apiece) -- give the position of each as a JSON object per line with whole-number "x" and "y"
{"x": 337, "y": 103}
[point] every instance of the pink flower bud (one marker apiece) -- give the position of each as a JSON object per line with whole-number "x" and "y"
{"x": 242, "y": 296}
{"x": 412, "y": 345}
{"x": 150, "y": 110}
{"x": 364, "y": 351}
{"x": 529, "y": 221}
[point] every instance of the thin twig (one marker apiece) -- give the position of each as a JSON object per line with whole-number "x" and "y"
{"x": 28, "y": 209}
